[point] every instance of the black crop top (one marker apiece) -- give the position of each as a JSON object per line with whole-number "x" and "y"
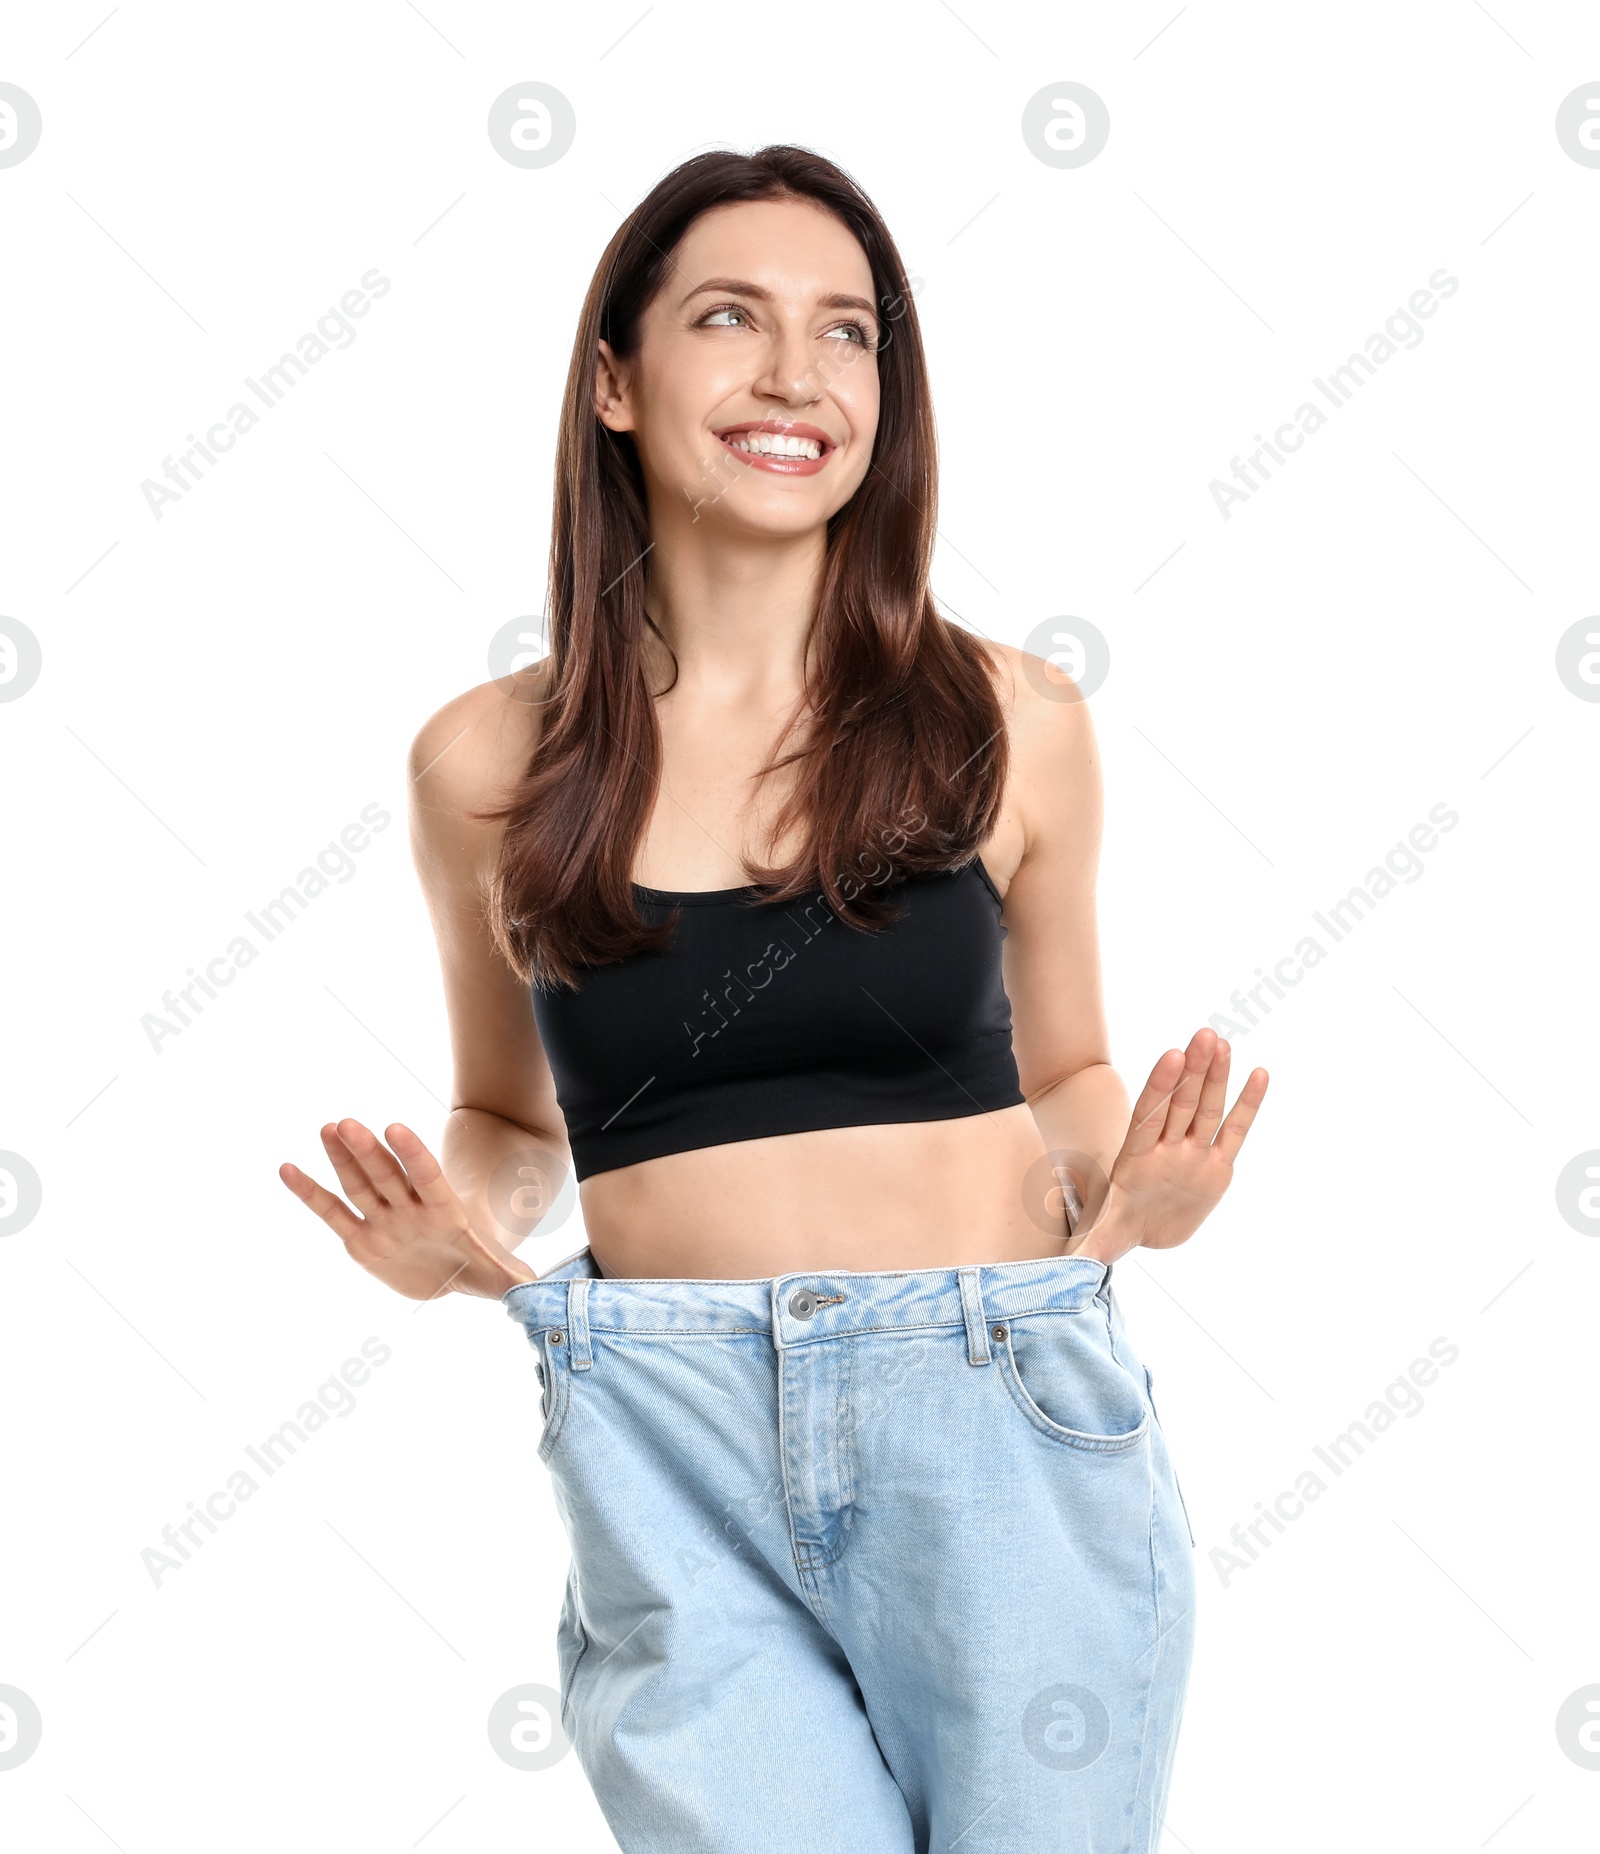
{"x": 779, "y": 1018}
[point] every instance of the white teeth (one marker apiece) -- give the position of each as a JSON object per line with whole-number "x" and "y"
{"x": 775, "y": 444}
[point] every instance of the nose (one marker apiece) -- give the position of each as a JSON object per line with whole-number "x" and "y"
{"x": 788, "y": 368}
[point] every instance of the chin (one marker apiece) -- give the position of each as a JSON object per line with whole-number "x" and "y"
{"x": 778, "y": 519}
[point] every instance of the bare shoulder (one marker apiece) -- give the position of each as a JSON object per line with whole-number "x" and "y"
{"x": 1044, "y": 709}
{"x": 469, "y": 755}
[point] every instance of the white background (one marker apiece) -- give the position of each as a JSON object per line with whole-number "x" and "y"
{"x": 1291, "y": 689}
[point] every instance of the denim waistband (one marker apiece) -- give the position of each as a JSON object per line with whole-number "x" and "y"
{"x": 807, "y": 1305}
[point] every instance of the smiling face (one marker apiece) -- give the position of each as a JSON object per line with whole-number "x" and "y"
{"x": 752, "y": 394}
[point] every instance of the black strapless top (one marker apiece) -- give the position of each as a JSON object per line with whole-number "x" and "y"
{"x": 761, "y": 1019}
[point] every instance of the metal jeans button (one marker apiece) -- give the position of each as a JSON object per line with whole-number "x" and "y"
{"x": 802, "y": 1304}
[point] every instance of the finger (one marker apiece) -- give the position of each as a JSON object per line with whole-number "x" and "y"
{"x": 333, "y": 1210}
{"x": 1150, "y": 1110}
{"x": 1238, "y": 1123}
{"x": 1214, "y": 1095}
{"x": 422, "y": 1169}
{"x": 352, "y": 1174}
{"x": 380, "y": 1164}
{"x": 1196, "y": 1064}
{"x": 381, "y": 1170}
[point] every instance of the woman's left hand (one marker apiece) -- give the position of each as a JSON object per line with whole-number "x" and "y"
{"x": 1175, "y": 1163}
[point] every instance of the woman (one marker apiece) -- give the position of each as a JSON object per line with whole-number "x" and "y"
{"x": 875, "y": 1539}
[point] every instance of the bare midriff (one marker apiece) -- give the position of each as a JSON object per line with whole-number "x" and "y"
{"x": 923, "y": 1194}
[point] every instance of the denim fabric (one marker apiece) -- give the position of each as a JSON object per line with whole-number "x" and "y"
{"x": 889, "y": 1562}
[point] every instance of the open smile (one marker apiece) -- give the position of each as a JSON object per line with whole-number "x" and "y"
{"x": 782, "y": 445}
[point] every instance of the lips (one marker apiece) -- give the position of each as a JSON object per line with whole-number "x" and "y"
{"x": 779, "y": 465}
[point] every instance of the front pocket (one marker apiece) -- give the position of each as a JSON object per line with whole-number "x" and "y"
{"x": 1064, "y": 1377}
{"x": 553, "y": 1376}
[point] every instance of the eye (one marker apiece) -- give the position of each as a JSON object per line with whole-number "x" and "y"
{"x": 708, "y": 319}
{"x": 858, "y": 330}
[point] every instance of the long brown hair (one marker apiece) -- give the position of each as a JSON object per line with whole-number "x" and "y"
{"x": 904, "y": 750}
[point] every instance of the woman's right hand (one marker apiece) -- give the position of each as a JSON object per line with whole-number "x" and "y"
{"x": 413, "y": 1233}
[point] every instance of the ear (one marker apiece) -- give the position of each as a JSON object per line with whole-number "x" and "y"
{"x": 611, "y": 390}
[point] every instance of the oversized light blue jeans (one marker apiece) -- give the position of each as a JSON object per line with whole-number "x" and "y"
{"x": 893, "y": 1563}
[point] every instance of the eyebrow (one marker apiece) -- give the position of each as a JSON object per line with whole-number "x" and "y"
{"x": 733, "y": 286}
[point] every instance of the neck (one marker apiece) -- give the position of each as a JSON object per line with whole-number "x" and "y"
{"x": 735, "y": 606}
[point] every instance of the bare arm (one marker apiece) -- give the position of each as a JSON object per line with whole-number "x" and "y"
{"x": 428, "y": 1227}
{"x": 504, "y": 1147}
{"x": 1052, "y": 949}
{"x": 1151, "y": 1174}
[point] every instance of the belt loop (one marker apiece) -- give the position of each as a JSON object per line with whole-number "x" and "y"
{"x": 578, "y": 1322}
{"x": 972, "y": 1312}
